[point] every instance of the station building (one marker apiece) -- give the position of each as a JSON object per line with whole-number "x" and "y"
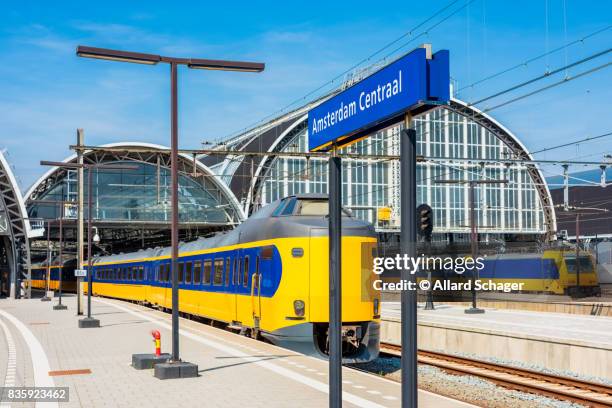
{"x": 520, "y": 210}
{"x": 15, "y": 232}
{"x": 131, "y": 208}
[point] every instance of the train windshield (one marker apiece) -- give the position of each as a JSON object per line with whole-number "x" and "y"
{"x": 586, "y": 265}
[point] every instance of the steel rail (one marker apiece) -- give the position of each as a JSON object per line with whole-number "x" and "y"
{"x": 588, "y": 393}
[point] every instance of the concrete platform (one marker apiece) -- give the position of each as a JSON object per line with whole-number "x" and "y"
{"x": 576, "y": 343}
{"x": 234, "y": 371}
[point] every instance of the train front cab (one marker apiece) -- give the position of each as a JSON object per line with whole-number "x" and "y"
{"x": 308, "y": 275}
{"x": 577, "y": 278}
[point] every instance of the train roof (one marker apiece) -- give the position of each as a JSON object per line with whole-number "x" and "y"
{"x": 263, "y": 224}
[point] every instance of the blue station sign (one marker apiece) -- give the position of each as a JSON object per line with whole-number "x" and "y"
{"x": 411, "y": 82}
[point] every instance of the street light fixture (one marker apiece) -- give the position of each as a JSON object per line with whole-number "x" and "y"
{"x": 96, "y": 237}
{"x": 176, "y": 368}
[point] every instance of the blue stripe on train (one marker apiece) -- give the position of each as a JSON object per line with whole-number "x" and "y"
{"x": 271, "y": 270}
{"x": 530, "y": 268}
{"x": 533, "y": 268}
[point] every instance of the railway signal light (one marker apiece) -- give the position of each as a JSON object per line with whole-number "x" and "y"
{"x": 424, "y": 220}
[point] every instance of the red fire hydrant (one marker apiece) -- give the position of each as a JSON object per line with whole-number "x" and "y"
{"x": 157, "y": 340}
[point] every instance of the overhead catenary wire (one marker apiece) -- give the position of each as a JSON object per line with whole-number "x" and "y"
{"x": 369, "y": 58}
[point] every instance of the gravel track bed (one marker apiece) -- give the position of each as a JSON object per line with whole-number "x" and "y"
{"x": 464, "y": 387}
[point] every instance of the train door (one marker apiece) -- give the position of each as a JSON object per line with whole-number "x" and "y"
{"x": 256, "y": 293}
{"x": 244, "y": 308}
{"x": 233, "y": 285}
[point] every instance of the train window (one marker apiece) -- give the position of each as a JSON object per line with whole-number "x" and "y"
{"x": 218, "y": 279}
{"x": 234, "y": 271}
{"x": 181, "y": 271}
{"x": 207, "y": 270}
{"x": 584, "y": 262}
{"x": 267, "y": 252}
{"x": 257, "y": 274}
{"x": 123, "y": 273}
{"x": 168, "y": 275}
{"x": 228, "y": 271}
{"x": 188, "y": 272}
{"x": 197, "y": 272}
{"x": 279, "y": 209}
{"x": 245, "y": 278}
{"x": 130, "y": 271}
{"x": 238, "y": 274}
{"x": 141, "y": 273}
{"x": 288, "y": 210}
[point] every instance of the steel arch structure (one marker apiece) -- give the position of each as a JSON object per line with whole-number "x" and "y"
{"x": 142, "y": 153}
{"x": 285, "y": 129}
{"x": 15, "y": 229}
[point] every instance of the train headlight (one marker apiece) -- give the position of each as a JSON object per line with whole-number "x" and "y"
{"x": 299, "y": 307}
{"x": 376, "y": 307}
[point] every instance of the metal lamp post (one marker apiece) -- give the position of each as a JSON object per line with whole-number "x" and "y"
{"x": 473, "y": 229}
{"x": 174, "y": 369}
{"x": 59, "y": 305}
{"x": 61, "y": 208}
{"x": 46, "y": 297}
{"x": 88, "y": 321}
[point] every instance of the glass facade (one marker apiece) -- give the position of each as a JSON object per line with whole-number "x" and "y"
{"x": 441, "y": 134}
{"x": 141, "y": 194}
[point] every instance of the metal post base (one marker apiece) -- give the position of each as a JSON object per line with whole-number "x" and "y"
{"x": 60, "y": 307}
{"x": 88, "y": 322}
{"x": 175, "y": 369}
{"x": 429, "y": 303}
{"x": 148, "y": 361}
{"x": 474, "y": 310}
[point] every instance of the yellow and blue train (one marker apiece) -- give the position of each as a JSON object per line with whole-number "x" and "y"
{"x": 554, "y": 271}
{"x": 40, "y": 276}
{"x": 268, "y": 277}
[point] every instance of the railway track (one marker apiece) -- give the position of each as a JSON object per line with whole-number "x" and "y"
{"x": 559, "y": 387}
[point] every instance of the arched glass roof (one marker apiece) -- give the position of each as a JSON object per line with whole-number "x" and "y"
{"x": 140, "y": 195}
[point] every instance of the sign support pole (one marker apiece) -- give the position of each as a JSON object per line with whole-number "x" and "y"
{"x": 80, "y": 219}
{"x": 335, "y": 282}
{"x": 408, "y": 247}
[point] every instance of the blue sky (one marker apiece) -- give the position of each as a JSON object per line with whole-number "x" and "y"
{"x": 47, "y": 92}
